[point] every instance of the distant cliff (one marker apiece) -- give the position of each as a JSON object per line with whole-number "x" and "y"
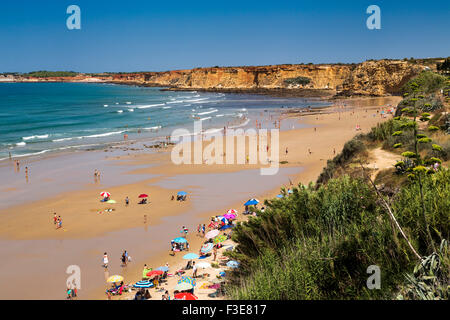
{"x": 371, "y": 78}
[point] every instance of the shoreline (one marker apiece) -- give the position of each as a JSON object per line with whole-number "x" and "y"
{"x": 39, "y": 217}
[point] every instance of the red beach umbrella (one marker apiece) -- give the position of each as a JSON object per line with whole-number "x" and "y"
{"x": 143, "y": 195}
{"x": 154, "y": 273}
{"x": 105, "y": 194}
{"x": 185, "y": 296}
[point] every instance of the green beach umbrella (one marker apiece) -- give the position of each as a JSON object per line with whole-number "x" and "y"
{"x": 219, "y": 239}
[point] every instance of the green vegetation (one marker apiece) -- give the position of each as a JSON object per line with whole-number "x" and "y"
{"x": 47, "y": 74}
{"x": 297, "y": 81}
{"x": 318, "y": 242}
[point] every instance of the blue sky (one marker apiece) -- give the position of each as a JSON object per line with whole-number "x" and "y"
{"x": 147, "y": 35}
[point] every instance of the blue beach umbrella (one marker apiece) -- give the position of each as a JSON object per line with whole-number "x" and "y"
{"x": 180, "y": 240}
{"x": 143, "y": 284}
{"x": 251, "y": 202}
{"x": 279, "y": 196}
{"x": 232, "y": 264}
{"x": 190, "y": 256}
{"x": 226, "y": 227}
{"x": 181, "y": 193}
{"x": 164, "y": 269}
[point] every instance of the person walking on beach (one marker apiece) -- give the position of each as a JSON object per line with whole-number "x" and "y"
{"x": 59, "y": 226}
{"x": 55, "y": 219}
{"x": 194, "y": 269}
{"x": 203, "y": 229}
{"x": 215, "y": 253}
{"x": 286, "y": 151}
{"x": 105, "y": 261}
{"x": 124, "y": 259}
{"x": 127, "y": 201}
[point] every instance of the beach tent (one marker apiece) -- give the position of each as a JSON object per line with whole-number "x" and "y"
{"x": 182, "y": 193}
{"x": 180, "y": 240}
{"x": 251, "y": 202}
{"x": 190, "y": 256}
{"x": 184, "y": 296}
{"x": 207, "y": 247}
{"x": 143, "y": 284}
{"x": 232, "y": 264}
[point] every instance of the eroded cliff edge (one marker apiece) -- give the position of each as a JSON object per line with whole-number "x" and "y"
{"x": 370, "y": 78}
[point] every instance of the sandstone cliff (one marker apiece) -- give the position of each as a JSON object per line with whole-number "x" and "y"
{"x": 372, "y": 78}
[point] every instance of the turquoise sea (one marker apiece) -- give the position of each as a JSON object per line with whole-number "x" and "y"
{"x": 40, "y": 118}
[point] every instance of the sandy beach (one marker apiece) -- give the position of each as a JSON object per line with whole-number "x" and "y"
{"x": 29, "y": 239}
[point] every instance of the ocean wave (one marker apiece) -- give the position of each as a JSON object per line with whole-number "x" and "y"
{"x": 131, "y": 110}
{"x": 219, "y": 115}
{"x": 20, "y": 144}
{"x": 128, "y": 102}
{"x": 106, "y": 134}
{"x": 206, "y": 118}
{"x": 150, "y": 106}
{"x": 207, "y": 112}
{"x": 153, "y": 128}
{"x": 44, "y": 136}
{"x": 105, "y": 105}
{"x": 119, "y": 111}
{"x": 240, "y": 125}
{"x": 167, "y": 107}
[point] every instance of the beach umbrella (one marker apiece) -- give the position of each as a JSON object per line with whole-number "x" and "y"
{"x": 203, "y": 265}
{"x": 105, "y": 194}
{"x": 190, "y": 256}
{"x": 207, "y": 247}
{"x": 219, "y": 239}
{"x": 212, "y": 234}
{"x": 143, "y": 195}
{"x": 251, "y": 202}
{"x": 279, "y": 196}
{"x": 223, "y": 219}
{"x": 226, "y": 227}
{"x": 229, "y": 216}
{"x": 189, "y": 280}
{"x": 181, "y": 193}
{"x": 154, "y": 273}
{"x": 232, "y": 264}
{"x": 115, "y": 278}
{"x": 163, "y": 269}
{"x": 232, "y": 211}
{"x": 111, "y": 201}
{"x": 143, "y": 284}
{"x": 183, "y": 286}
{"x": 180, "y": 240}
{"x": 185, "y": 296}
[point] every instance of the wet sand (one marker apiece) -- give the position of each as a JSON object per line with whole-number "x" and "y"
{"x": 37, "y": 254}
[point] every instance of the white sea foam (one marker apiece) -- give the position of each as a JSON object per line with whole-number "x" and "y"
{"x": 219, "y": 115}
{"x": 131, "y": 110}
{"x": 128, "y": 102}
{"x": 44, "y": 136}
{"x": 119, "y": 111}
{"x": 240, "y": 125}
{"x": 167, "y": 107}
{"x": 207, "y": 112}
{"x": 20, "y": 144}
{"x": 150, "y": 106}
{"x": 105, "y": 105}
{"x": 153, "y": 128}
{"x": 206, "y": 118}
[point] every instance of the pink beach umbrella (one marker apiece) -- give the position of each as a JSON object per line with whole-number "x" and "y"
{"x": 212, "y": 234}
{"x": 105, "y": 194}
{"x": 229, "y": 216}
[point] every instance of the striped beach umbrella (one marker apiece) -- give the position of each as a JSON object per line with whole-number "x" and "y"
{"x": 189, "y": 280}
{"x": 143, "y": 284}
{"x": 232, "y": 211}
{"x": 219, "y": 239}
{"x": 105, "y": 194}
{"x": 207, "y": 247}
{"x": 115, "y": 278}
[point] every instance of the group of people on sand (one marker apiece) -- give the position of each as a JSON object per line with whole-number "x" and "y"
{"x": 57, "y": 221}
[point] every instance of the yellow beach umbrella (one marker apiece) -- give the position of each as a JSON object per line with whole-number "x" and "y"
{"x": 115, "y": 278}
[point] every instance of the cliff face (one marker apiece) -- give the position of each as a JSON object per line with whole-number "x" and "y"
{"x": 373, "y": 78}
{"x": 379, "y": 77}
